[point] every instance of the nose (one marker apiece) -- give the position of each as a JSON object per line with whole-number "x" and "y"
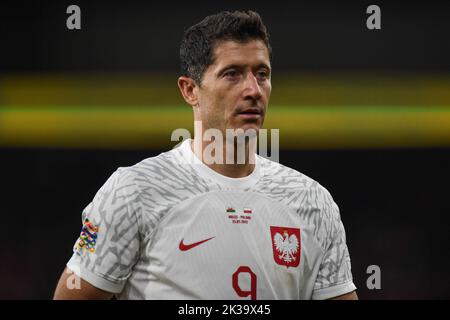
{"x": 252, "y": 89}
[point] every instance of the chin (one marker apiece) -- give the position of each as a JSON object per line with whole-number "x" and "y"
{"x": 249, "y": 127}
{"x": 252, "y": 127}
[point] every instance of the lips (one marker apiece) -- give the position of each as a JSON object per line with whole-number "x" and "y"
{"x": 250, "y": 111}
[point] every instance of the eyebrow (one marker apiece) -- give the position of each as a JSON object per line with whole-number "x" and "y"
{"x": 238, "y": 66}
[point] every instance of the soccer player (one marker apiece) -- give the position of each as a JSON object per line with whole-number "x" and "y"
{"x": 177, "y": 226}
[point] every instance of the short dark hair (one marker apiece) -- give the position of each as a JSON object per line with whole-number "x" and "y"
{"x": 199, "y": 41}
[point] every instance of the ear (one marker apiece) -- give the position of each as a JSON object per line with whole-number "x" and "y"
{"x": 188, "y": 89}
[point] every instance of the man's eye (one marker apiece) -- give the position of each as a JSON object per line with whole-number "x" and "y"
{"x": 263, "y": 74}
{"x": 230, "y": 73}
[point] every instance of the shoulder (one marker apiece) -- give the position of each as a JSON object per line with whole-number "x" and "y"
{"x": 160, "y": 163}
{"x": 301, "y": 193}
{"x": 161, "y": 176}
{"x": 285, "y": 176}
{"x": 138, "y": 183}
{"x": 277, "y": 178}
{"x": 157, "y": 184}
{"x": 162, "y": 168}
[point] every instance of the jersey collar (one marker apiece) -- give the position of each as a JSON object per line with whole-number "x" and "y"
{"x": 206, "y": 172}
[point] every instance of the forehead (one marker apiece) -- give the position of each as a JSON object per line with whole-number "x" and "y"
{"x": 251, "y": 53}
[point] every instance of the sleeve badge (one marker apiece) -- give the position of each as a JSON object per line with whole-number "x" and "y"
{"x": 87, "y": 239}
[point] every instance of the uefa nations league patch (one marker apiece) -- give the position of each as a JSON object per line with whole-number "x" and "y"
{"x": 87, "y": 239}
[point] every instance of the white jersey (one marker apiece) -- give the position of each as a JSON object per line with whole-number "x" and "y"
{"x": 170, "y": 227}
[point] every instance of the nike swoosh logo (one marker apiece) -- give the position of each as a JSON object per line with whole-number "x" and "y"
{"x": 185, "y": 247}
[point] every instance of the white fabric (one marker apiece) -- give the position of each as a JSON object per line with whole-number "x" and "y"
{"x": 143, "y": 212}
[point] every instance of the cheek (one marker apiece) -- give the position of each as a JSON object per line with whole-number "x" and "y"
{"x": 220, "y": 103}
{"x": 267, "y": 91}
{"x": 213, "y": 109}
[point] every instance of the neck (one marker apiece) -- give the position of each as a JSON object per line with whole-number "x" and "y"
{"x": 233, "y": 166}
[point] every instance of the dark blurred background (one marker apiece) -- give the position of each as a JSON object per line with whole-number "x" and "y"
{"x": 364, "y": 112}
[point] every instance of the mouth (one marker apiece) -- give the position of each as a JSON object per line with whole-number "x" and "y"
{"x": 250, "y": 113}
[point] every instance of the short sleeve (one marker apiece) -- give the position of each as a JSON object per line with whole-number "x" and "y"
{"x": 108, "y": 246}
{"x": 334, "y": 277}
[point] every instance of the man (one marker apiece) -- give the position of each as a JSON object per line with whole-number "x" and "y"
{"x": 177, "y": 226}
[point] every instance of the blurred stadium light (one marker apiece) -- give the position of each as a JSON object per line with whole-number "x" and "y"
{"x": 140, "y": 111}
